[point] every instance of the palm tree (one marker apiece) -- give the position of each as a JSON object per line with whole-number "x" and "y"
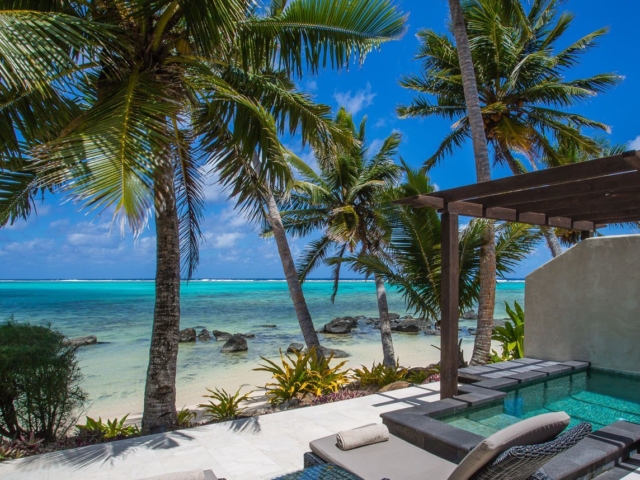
{"x": 132, "y": 148}
{"x": 413, "y": 264}
{"x": 344, "y": 201}
{"x": 521, "y": 85}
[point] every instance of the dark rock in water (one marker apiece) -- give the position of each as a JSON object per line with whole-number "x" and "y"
{"x": 187, "y": 335}
{"x": 470, "y": 315}
{"x": 204, "y": 335}
{"x": 235, "y": 344}
{"x": 247, "y": 335}
{"x": 295, "y": 348}
{"x": 82, "y": 341}
{"x": 268, "y": 325}
{"x": 472, "y": 331}
{"x": 394, "y": 316}
{"x": 406, "y": 326}
{"x": 340, "y": 325}
{"x": 221, "y": 335}
{"x": 336, "y": 353}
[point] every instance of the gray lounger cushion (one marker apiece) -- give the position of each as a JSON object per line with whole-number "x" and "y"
{"x": 539, "y": 429}
{"x": 395, "y": 459}
{"x": 190, "y": 475}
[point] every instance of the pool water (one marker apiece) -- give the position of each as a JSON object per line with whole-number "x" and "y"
{"x": 594, "y": 396}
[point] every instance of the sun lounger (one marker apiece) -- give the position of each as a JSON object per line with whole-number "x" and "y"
{"x": 514, "y": 453}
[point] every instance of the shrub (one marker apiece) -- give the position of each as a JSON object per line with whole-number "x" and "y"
{"x": 511, "y": 336}
{"x": 39, "y": 382}
{"x": 380, "y": 375}
{"x": 228, "y": 406}
{"x": 339, "y": 396}
{"x": 306, "y": 373}
{"x": 112, "y": 429}
{"x": 418, "y": 377}
{"x": 186, "y": 417}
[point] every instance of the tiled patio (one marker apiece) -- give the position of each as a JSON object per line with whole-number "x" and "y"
{"x": 254, "y": 448}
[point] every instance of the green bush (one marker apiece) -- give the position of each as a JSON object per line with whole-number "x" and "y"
{"x": 186, "y": 417}
{"x": 112, "y": 429}
{"x": 227, "y": 406}
{"x": 39, "y": 382}
{"x": 511, "y": 336}
{"x": 380, "y": 374}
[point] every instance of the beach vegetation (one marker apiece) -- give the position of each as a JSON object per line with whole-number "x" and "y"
{"x": 110, "y": 430}
{"x": 224, "y": 405}
{"x": 306, "y": 373}
{"x": 344, "y": 200}
{"x": 511, "y": 335}
{"x": 514, "y": 60}
{"x": 380, "y": 374}
{"x": 39, "y": 382}
{"x": 186, "y": 417}
{"x": 420, "y": 376}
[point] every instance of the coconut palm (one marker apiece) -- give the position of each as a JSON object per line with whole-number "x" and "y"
{"x": 132, "y": 147}
{"x": 343, "y": 200}
{"x": 413, "y": 264}
{"x": 520, "y": 78}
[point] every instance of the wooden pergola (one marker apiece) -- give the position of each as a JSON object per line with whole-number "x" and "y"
{"x": 582, "y": 196}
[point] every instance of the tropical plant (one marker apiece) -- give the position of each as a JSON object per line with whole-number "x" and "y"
{"x": 168, "y": 64}
{"x": 39, "y": 382}
{"x": 323, "y": 377}
{"x": 420, "y": 376}
{"x": 344, "y": 201}
{"x": 380, "y": 374}
{"x": 339, "y": 396}
{"x": 109, "y": 430}
{"x": 226, "y": 405}
{"x": 186, "y": 417}
{"x": 511, "y": 335}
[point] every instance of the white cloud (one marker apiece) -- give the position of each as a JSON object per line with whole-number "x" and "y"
{"x": 375, "y": 146}
{"x": 64, "y": 222}
{"x": 311, "y": 85}
{"x": 223, "y": 240}
{"x": 635, "y": 143}
{"x": 381, "y": 122}
{"x": 355, "y": 103}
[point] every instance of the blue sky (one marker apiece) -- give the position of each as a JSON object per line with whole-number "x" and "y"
{"x": 63, "y": 242}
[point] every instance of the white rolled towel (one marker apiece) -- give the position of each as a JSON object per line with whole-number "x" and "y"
{"x": 359, "y": 437}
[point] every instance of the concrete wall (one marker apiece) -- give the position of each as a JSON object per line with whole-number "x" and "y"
{"x": 585, "y": 305}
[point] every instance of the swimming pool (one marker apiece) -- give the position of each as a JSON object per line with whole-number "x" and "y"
{"x": 595, "y": 396}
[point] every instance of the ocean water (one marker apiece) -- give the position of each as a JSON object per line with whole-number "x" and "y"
{"x": 120, "y": 314}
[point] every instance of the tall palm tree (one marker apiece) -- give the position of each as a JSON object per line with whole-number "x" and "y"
{"x": 344, "y": 201}
{"x": 413, "y": 263}
{"x": 132, "y": 147}
{"x": 520, "y": 77}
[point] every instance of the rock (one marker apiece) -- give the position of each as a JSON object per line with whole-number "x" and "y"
{"x": 187, "y": 335}
{"x": 472, "y": 331}
{"x": 292, "y": 403}
{"x": 204, "y": 335}
{"x": 295, "y": 348}
{"x": 221, "y": 335}
{"x": 235, "y": 344}
{"x": 257, "y": 410}
{"x": 406, "y": 317}
{"x": 394, "y": 386}
{"x": 470, "y": 315}
{"x": 406, "y": 326}
{"x": 394, "y": 316}
{"x": 268, "y": 325}
{"x": 340, "y": 325}
{"x": 82, "y": 341}
{"x": 336, "y": 353}
{"x": 247, "y": 335}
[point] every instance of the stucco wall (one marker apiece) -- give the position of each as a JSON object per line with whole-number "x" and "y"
{"x": 585, "y": 305}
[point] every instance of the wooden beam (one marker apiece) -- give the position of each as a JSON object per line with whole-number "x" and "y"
{"x": 576, "y": 204}
{"x": 466, "y": 208}
{"x": 584, "y": 226}
{"x": 621, "y": 219}
{"x": 558, "y": 192}
{"x": 585, "y": 235}
{"x": 420, "y": 201}
{"x": 599, "y": 217}
{"x": 550, "y": 176}
{"x": 587, "y": 206}
{"x": 632, "y": 157}
{"x": 449, "y": 306}
{"x": 562, "y": 222}
{"x": 533, "y": 218}
{"x": 499, "y": 213}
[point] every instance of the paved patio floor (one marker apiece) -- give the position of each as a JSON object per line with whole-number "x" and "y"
{"x": 253, "y": 448}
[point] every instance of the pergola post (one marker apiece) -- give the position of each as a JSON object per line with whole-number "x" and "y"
{"x": 586, "y": 234}
{"x": 449, "y": 306}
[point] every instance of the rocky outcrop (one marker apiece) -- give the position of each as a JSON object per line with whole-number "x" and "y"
{"x": 235, "y": 343}
{"x": 82, "y": 341}
{"x": 405, "y": 326}
{"x": 295, "y": 347}
{"x": 394, "y": 316}
{"x": 340, "y": 325}
{"x": 470, "y": 315}
{"x": 268, "y": 325}
{"x": 326, "y": 351}
{"x": 394, "y": 386}
{"x": 204, "y": 335}
{"x": 187, "y": 335}
{"x": 221, "y": 336}
{"x": 247, "y": 335}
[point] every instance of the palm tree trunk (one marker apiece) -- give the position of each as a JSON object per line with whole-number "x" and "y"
{"x": 552, "y": 240}
{"x": 388, "y": 353}
{"x": 160, "y": 390}
{"x": 487, "y": 296}
{"x": 289, "y": 268}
